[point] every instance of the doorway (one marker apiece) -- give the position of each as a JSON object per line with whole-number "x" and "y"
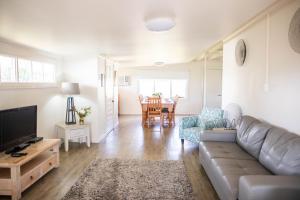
{"x": 213, "y": 69}
{"x": 214, "y": 88}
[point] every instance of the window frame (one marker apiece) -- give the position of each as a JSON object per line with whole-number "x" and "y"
{"x": 30, "y": 84}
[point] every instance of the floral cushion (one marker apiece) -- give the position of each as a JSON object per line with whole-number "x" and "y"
{"x": 210, "y": 114}
{"x": 207, "y": 124}
{"x": 191, "y": 127}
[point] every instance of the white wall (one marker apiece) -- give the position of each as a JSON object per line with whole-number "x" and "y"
{"x": 49, "y": 101}
{"x": 271, "y": 95}
{"x": 193, "y": 71}
{"x": 84, "y": 71}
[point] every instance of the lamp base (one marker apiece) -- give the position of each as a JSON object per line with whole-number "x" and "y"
{"x": 70, "y": 123}
{"x": 70, "y": 112}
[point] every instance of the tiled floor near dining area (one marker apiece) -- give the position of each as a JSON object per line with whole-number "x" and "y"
{"x": 129, "y": 141}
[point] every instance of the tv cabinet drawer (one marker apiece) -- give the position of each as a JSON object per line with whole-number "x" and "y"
{"x": 48, "y": 164}
{"x": 35, "y": 169}
{"x": 29, "y": 178}
{"x": 5, "y": 184}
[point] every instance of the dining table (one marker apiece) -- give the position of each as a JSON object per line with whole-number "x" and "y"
{"x": 165, "y": 103}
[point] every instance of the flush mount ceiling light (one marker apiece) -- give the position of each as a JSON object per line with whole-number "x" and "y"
{"x": 159, "y": 24}
{"x": 159, "y": 63}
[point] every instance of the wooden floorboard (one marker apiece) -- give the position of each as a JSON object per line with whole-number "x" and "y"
{"x": 129, "y": 141}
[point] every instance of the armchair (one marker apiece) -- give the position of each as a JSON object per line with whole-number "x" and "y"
{"x": 191, "y": 127}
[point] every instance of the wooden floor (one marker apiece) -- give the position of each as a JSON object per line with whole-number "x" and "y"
{"x": 128, "y": 141}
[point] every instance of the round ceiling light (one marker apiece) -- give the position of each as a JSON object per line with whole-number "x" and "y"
{"x": 159, "y": 24}
{"x": 159, "y": 63}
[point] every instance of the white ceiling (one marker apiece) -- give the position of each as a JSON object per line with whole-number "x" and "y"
{"x": 116, "y": 27}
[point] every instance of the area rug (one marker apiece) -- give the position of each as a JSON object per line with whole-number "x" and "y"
{"x": 132, "y": 179}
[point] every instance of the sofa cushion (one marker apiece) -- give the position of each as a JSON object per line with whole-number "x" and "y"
{"x": 245, "y": 123}
{"x": 249, "y": 133}
{"x": 280, "y": 152}
{"x": 252, "y": 139}
{"x": 224, "y": 150}
{"x": 229, "y": 171}
{"x": 191, "y": 134}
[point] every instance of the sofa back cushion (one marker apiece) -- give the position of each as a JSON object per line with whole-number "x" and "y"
{"x": 280, "y": 152}
{"x": 247, "y": 132}
{"x": 244, "y": 124}
{"x": 253, "y": 138}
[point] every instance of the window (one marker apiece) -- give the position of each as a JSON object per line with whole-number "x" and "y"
{"x": 49, "y": 72}
{"x": 163, "y": 86}
{"x": 24, "y": 70}
{"x": 179, "y": 87}
{"x": 7, "y": 69}
{"x": 146, "y": 87}
{"x": 37, "y": 72}
{"x": 168, "y": 88}
{"x": 21, "y": 70}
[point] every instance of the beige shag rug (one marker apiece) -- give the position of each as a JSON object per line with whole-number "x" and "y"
{"x": 132, "y": 179}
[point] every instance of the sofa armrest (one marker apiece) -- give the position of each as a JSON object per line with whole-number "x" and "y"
{"x": 218, "y": 135}
{"x": 269, "y": 187}
{"x": 188, "y": 122}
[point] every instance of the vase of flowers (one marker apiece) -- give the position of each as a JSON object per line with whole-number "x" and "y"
{"x": 82, "y": 113}
{"x": 157, "y": 94}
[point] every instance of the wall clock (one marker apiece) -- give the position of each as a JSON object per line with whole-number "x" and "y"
{"x": 240, "y": 52}
{"x": 294, "y": 32}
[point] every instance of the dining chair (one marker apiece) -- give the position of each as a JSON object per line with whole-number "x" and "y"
{"x": 168, "y": 116}
{"x": 141, "y": 98}
{"x": 154, "y": 108}
{"x": 175, "y": 99}
{"x": 144, "y": 113}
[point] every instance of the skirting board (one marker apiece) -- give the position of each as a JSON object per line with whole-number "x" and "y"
{"x": 104, "y": 135}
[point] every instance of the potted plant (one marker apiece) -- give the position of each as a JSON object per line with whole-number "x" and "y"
{"x": 157, "y": 94}
{"x": 82, "y": 113}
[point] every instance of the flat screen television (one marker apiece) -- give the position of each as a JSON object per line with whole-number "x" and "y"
{"x": 17, "y": 126}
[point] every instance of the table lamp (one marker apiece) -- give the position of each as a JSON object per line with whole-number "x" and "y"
{"x": 70, "y": 89}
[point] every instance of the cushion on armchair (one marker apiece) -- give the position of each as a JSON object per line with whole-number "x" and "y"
{"x": 212, "y": 116}
{"x": 212, "y": 113}
{"x": 208, "y": 124}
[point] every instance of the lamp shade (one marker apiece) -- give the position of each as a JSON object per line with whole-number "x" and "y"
{"x": 70, "y": 88}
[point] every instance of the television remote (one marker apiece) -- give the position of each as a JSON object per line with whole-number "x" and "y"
{"x": 18, "y": 154}
{"x": 17, "y": 148}
{"x": 35, "y": 140}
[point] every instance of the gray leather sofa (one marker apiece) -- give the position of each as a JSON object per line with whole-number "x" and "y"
{"x": 261, "y": 163}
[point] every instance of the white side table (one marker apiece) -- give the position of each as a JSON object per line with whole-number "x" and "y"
{"x": 73, "y": 132}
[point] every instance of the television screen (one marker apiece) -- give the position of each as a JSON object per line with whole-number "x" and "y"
{"x": 17, "y": 126}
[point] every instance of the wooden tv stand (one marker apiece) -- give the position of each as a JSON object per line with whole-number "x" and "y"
{"x": 18, "y": 173}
